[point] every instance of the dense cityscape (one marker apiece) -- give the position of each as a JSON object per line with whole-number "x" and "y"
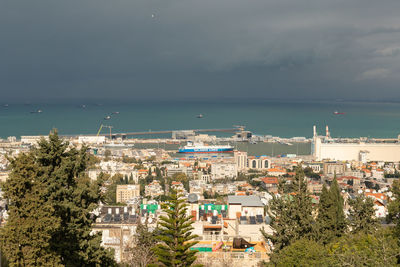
{"x": 240, "y": 207}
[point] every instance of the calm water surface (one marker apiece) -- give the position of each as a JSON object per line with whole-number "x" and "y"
{"x": 269, "y": 118}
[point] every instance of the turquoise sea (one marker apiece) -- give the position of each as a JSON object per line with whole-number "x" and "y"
{"x": 285, "y": 119}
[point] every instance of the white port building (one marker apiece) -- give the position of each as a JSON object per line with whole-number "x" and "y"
{"x": 94, "y": 139}
{"x": 357, "y": 151}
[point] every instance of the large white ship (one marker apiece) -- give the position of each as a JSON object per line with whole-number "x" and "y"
{"x": 201, "y": 148}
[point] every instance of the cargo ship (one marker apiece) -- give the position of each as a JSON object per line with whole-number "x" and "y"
{"x": 201, "y": 148}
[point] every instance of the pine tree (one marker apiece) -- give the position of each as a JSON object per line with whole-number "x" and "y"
{"x": 291, "y": 214}
{"x": 362, "y": 215}
{"x": 175, "y": 234}
{"x": 331, "y": 221}
{"x": 50, "y": 203}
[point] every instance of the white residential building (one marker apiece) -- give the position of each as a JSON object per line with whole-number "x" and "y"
{"x": 221, "y": 170}
{"x": 154, "y": 189}
{"x": 244, "y": 206}
{"x": 174, "y": 169}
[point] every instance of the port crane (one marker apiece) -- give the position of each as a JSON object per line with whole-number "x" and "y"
{"x": 104, "y": 126}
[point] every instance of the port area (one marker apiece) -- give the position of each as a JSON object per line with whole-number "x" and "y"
{"x": 261, "y": 148}
{"x": 225, "y": 255}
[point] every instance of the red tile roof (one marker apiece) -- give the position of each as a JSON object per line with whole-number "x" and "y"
{"x": 270, "y": 180}
{"x": 376, "y": 195}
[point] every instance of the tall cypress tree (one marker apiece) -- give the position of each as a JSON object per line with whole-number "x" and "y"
{"x": 175, "y": 234}
{"x": 338, "y": 201}
{"x": 50, "y": 203}
{"x": 324, "y": 219}
{"x": 331, "y": 221}
{"x": 291, "y": 214}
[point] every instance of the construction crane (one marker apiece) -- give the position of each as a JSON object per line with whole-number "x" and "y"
{"x": 104, "y": 126}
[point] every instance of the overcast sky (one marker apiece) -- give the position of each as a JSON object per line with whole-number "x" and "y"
{"x": 166, "y": 49}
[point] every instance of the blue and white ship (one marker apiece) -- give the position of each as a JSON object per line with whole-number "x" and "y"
{"x": 201, "y": 148}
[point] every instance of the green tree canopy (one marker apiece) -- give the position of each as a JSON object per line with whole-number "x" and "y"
{"x": 394, "y": 207}
{"x": 303, "y": 252}
{"x": 362, "y": 215}
{"x": 50, "y": 200}
{"x": 378, "y": 249}
{"x": 291, "y": 214}
{"x": 361, "y": 249}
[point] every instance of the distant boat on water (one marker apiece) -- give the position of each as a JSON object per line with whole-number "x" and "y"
{"x": 36, "y": 111}
{"x": 115, "y": 113}
{"x": 107, "y": 117}
{"x": 199, "y": 116}
{"x": 338, "y": 113}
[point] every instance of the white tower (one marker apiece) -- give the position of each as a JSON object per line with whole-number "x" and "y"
{"x": 316, "y": 145}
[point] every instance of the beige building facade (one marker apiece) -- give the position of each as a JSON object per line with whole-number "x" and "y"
{"x": 127, "y": 192}
{"x": 241, "y": 160}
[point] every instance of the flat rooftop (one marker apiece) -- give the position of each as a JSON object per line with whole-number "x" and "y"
{"x": 249, "y": 201}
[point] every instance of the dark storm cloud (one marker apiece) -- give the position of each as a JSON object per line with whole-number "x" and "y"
{"x": 211, "y": 48}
